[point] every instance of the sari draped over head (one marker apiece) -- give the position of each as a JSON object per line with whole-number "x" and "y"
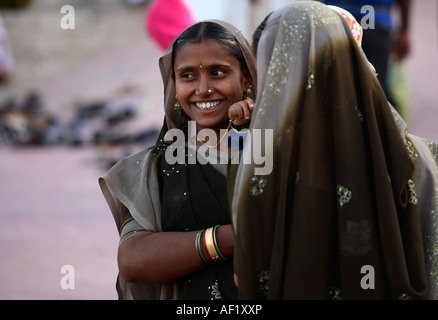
{"x": 138, "y": 183}
{"x": 349, "y": 210}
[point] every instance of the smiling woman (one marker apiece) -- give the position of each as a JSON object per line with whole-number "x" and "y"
{"x": 206, "y": 94}
{"x": 210, "y": 74}
{"x": 176, "y": 240}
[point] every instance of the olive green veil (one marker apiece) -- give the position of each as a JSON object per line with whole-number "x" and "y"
{"x": 349, "y": 210}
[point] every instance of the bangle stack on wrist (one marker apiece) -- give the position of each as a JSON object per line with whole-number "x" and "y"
{"x": 208, "y": 238}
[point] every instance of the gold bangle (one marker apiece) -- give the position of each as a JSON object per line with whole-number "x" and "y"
{"x": 209, "y": 243}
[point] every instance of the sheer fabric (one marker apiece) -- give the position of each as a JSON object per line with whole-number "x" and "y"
{"x": 134, "y": 183}
{"x": 349, "y": 210}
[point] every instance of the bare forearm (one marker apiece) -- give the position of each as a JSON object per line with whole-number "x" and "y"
{"x": 155, "y": 257}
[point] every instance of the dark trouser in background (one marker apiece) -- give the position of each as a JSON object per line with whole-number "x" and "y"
{"x": 377, "y": 45}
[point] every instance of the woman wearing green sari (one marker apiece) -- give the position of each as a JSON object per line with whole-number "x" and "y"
{"x": 176, "y": 239}
{"x": 350, "y": 208}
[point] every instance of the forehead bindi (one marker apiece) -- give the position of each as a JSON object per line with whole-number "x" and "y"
{"x": 208, "y": 53}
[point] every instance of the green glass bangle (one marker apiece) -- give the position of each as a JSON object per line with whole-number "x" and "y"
{"x": 200, "y": 249}
{"x": 215, "y": 243}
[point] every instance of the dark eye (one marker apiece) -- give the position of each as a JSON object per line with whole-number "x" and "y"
{"x": 218, "y": 73}
{"x": 187, "y": 75}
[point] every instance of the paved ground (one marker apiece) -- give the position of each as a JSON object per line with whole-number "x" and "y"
{"x": 53, "y": 214}
{"x": 51, "y": 210}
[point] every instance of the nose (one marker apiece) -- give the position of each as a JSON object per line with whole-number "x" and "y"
{"x": 202, "y": 88}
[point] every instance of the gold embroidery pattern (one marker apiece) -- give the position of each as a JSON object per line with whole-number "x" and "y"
{"x": 433, "y": 147}
{"x": 398, "y": 121}
{"x": 310, "y": 78}
{"x": 335, "y": 293}
{"x": 215, "y": 292}
{"x": 258, "y": 184}
{"x": 264, "y": 281}
{"x": 431, "y": 252}
{"x": 293, "y": 34}
{"x": 405, "y": 296}
{"x": 411, "y": 150}
{"x": 344, "y": 196}
{"x": 412, "y": 193}
{"x": 360, "y": 115}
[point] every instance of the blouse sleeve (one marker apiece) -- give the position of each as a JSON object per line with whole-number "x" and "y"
{"x": 132, "y": 184}
{"x": 130, "y": 228}
{"x": 131, "y": 189}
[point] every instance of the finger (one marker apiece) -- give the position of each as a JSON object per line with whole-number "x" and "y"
{"x": 247, "y": 112}
{"x": 250, "y": 103}
{"x": 236, "y": 280}
{"x": 239, "y": 111}
{"x": 232, "y": 114}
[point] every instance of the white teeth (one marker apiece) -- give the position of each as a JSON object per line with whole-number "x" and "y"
{"x": 207, "y": 105}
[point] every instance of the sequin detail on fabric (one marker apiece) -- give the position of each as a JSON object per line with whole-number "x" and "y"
{"x": 412, "y": 193}
{"x": 433, "y": 147}
{"x": 293, "y": 34}
{"x": 359, "y": 114}
{"x": 258, "y": 183}
{"x": 344, "y": 196}
{"x": 411, "y": 149}
{"x": 335, "y": 294}
{"x": 431, "y": 245}
{"x": 404, "y": 296}
{"x": 215, "y": 292}
{"x": 264, "y": 281}
{"x": 310, "y": 78}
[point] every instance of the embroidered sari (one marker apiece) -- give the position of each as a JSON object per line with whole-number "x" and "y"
{"x": 146, "y": 193}
{"x": 349, "y": 210}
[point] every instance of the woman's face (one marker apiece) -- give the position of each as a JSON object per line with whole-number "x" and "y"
{"x": 208, "y": 80}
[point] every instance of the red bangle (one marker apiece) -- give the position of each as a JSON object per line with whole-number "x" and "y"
{"x": 205, "y": 246}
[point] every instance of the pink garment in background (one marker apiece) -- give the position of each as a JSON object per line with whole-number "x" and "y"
{"x": 166, "y": 19}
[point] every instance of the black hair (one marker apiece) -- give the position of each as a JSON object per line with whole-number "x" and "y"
{"x": 210, "y": 30}
{"x": 258, "y": 33}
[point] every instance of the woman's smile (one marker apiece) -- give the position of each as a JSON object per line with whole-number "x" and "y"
{"x": 208, "y": 80}
{"x": 207, "y": 105}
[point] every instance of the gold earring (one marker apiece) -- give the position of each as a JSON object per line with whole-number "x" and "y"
{"x": 177, "y": 105}
{"x": 248, "y": 92}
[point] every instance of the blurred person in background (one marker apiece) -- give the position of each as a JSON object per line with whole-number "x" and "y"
{"x": 166, "y": 19}
{"x": 7, "y": 61}
{"x": 387, "y": 43}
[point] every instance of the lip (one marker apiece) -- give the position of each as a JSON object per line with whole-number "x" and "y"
{"x": 207, "y": 106}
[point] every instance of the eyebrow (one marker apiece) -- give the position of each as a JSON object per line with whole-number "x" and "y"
{"x": 213, "y": 66}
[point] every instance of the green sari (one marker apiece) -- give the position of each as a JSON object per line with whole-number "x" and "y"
{"x": 350, "y": 208}
{"x": 146, "y": 193}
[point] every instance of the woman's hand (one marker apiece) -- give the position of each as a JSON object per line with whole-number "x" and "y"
{"x": 240, "y": 112}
